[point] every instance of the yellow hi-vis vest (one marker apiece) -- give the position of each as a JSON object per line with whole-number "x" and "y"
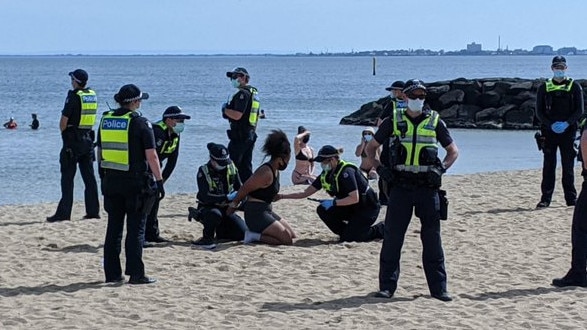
{"x": 551, "y": 87}
{"x": 168, "y": 147}
{"x": 114, "y": 141}
{"x": 328, "y": 186}
{"x": 230, "y": 178}
{"x": 416, "y": 139}
{"x": 89, "y": 104}
{"x": 254, "y": 115}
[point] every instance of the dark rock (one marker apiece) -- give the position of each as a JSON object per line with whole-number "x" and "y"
{"x": 489, "y": 99}
{"x": 450, "y": 113}
{"x": 452, "y": 97}
{"x": 519, "y": 118}
{"x": 495, "y": 103}
{"x": 469, "y": 111}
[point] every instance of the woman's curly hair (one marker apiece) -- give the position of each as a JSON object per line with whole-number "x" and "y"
{"x": 276, "y": 144}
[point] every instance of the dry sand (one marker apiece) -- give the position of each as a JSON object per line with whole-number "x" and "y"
{"x": 501, "y": 255}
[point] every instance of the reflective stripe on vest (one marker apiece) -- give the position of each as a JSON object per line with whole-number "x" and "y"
{"x": 114, "y": 141}
{"x": 327, "y": 186}
{"x": 416, "y": 139}
{"x": 89, "y": 103}
{"x": 551, "y": 87}
{"x": 168, "y": 146}
{"x": 254, "y": 114}
{"x": 230, "y": 178}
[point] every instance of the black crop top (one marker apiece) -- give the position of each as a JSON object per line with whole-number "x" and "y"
{"x": 267, "y": 194}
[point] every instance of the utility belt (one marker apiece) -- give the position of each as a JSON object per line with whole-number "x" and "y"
{"x": 409, "y": 180}
{"x": 239, "y": 133}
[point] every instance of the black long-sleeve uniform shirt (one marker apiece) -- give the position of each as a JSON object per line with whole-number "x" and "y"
{"x": 162, "y": 136}
{"x": 208, "y": 195}
{"x": 559, "y": 105}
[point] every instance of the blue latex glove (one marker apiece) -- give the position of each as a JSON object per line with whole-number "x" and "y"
{"x": 559, "y": 126}
{"x": 327, "y": 203}
{"x": 231, "y": 196}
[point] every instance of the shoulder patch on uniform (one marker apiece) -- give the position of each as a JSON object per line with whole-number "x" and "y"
{"x": 345, "y": 175}
{"x": 242, "y": 97}
{"x": 149, "y": 124}
{"x": 200, "y": 174}
{"x": 159, "y": 142}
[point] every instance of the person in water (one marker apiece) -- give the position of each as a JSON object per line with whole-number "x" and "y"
{"x": 35, "y": 123}
{"x": 366, "y": 136}
{"x": 10, "y": 124}
{"x": 303, "y": 173}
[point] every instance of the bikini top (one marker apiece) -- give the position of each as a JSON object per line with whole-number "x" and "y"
{"x": 301, "y": 156}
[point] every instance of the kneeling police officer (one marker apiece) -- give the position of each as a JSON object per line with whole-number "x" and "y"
{"x": 355, "y": 206}
{"x": 218, "y": 183}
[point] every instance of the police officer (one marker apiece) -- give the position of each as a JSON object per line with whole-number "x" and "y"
{"x": 167, "y": 132}
{"x": 242, "y": 112}
{"x": 354, "y": 208}
{"x": 218, "y": 183}
{"x": 396, "y": 100}
{"x": 393, "y": 101}
{"x": 131, "y": 180}
{"x": 559, "y": 104}
{"x": 77, "y": 120}
{"x": 577, "y": 275}
{"x": 414, "y": 174}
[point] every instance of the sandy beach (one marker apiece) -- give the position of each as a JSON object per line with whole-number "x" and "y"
{"x": 501, "y": 255}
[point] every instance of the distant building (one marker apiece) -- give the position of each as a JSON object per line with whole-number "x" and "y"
{"x": 473, "y": 48}
{"x": 567, "y": 51}
{"x": 542, "y": 49}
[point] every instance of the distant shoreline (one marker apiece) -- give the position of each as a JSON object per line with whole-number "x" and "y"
{"x": 274, "y": 55}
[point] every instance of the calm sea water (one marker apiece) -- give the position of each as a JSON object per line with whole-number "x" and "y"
{"x": 310, "y": 91}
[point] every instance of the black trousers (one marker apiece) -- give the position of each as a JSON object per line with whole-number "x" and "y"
{"x": 124, "y": 198}
{"x": 241, "y": 153}
{"x": 579, "y": 237}
{"x": 69, "y": 162}
{"x": 563, "y": 142}
{"x": 152, "y": 226}
{"x": 352, "y": 225}
{"x": 402, "y": 203}
{"x": 219, "y": 225}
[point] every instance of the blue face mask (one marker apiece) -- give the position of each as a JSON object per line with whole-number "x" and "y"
{"x": 559, "y": 73}
{"x": 325, "y": 167}
{"x": 235, "y": 83}
{"x": 179, "y": 128}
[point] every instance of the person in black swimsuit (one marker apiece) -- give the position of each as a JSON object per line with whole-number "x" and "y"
{"x": 303, "y": 173}
{"x": 261, "y": 189}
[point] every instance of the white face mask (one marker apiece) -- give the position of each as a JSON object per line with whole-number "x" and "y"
{"x": 415, "y": 105}
{"x": 235, "y": 83}
{"x": 178, "y": 128}
{"x": 368, "y": 137}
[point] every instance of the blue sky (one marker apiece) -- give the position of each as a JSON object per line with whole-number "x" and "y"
{"x": 279, "y": 26}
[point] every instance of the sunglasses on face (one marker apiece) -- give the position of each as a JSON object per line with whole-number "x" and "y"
{"x": 419, "y": 97}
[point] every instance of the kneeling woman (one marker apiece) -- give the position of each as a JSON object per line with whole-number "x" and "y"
{"x": 354, "y": 208}
{"x": 260, "y": 189}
